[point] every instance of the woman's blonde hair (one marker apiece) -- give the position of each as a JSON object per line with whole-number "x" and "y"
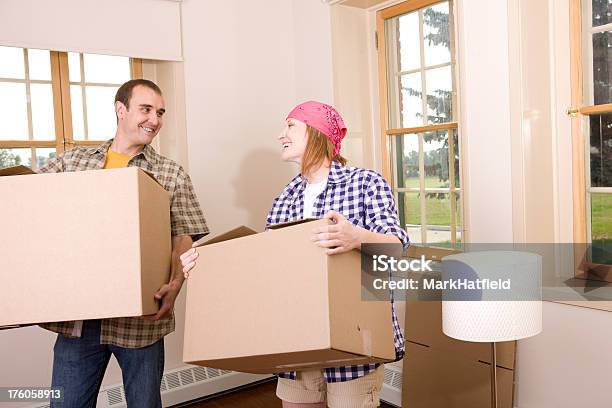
{"x": 318, "y": 148}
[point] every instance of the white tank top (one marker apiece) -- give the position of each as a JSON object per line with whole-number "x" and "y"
{"x": 311, "y": 193}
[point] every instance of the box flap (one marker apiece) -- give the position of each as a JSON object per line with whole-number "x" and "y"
{"x": 237, "y": 232}
{"x": 290, "y": 223}
{"x": 148, "y": 173}
{"x": 16, "y": 171}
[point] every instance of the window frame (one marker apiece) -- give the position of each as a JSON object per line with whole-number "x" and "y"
{"x": 388, "y": 134}
{"x": 580, "y": 113}
{"x": 60, "y": 86}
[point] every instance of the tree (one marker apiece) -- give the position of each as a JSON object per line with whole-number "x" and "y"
{"x": 439, "y": 102}
{"x": 41, "y": 160}
{"x": 8, "y": 159}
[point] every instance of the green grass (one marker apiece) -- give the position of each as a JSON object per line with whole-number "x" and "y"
{"x": 437, "y": 206}
{"x": 430, "y": 182}
{"x": 437, "y": 209}
{"x": 601, "y": 216}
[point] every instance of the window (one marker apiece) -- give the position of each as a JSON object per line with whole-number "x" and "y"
{"x": 420, "y": 141}
{"x": 591, "y": 71}
{"x": 51, "y": 101}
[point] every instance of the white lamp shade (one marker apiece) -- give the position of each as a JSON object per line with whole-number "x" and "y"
{"x": 489, "y": 319}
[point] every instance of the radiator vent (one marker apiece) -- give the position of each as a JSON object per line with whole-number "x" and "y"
{"x": 200, "y": 373}
{"x": 392, "y": 384}
{"x": 115, "y": 395}
{"x": 388, "y": 377}
{"x": 170, "y": 381}
{"x": 179, "y": 385}
{"x": 186, "y": 376}
{"x": 393, "y": 377}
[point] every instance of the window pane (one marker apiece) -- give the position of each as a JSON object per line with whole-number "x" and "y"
{"x": 439, "y": 83}
{"x": 411, "y": 102}
{"x": 101, "y": 119}
{"x": 436, "y": 34}
{"x": 435, "y": 157}
{"x": 435, "y": 150}
{"x": 601, "y": 150}
{"x": 13, "y": 105}
{"x": 601, "y": 228}
{"x": 408, "y": 162}
{"x": 437, "y": 206}
{"x": 76, "y": 105}
{"x": 601, "y": 216}
{"x": 409, "y": 208}
{"x": 15, "y": 157}
{"x": 410, "y": 52}
{"x": 12, "y": 65}
{"x": 43, "y": 155}
{"x": 439, "y": 231}
{"x": 43, "y": 121}
{"x": 106, "y": 69}
{"x": 74, "y": 66}
{"x": 602, "y": 12}
{"x": 602, "y": 67}
{"x": 438, "y": 212}
{"x": 39, "y": 64}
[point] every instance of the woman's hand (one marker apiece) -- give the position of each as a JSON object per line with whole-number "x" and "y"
{"x": 340, "y": 237}
{"x": 188, "y": 261}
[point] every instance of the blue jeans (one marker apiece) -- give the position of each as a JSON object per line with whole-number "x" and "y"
{"x": 79, "y": 365}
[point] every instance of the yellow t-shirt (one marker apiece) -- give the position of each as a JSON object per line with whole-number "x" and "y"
{"x": 116, "y": 160}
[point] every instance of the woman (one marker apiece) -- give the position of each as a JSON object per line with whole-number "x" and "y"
{"x": 361, "y": 206}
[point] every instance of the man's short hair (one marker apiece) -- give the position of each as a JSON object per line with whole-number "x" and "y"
{"x": 124, "y": 93}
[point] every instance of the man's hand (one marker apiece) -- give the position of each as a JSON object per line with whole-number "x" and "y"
{"x": 340, "y": 237}
{"x": 167, "y": 295}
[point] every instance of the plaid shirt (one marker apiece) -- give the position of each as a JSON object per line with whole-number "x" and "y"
{"x": 365, "y": 199}
{"x": 186, "y": 219}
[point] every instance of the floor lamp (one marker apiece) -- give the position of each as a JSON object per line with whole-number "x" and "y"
{"x": 488, "y": 312}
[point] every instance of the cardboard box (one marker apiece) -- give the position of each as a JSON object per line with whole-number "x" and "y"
{"x": 434, "y": 378}
{"x": 81, "y": 245}
{"x": 442, "y": 372}
{"x": 424, "y": 326}
{"x": 274, "y": 301}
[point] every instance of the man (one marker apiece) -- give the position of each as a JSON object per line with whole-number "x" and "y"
{"x": 83, "y": 349}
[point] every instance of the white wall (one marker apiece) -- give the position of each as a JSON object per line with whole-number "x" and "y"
{"x": 568, "y": 364}
{"x": 246, "y": 65}
{"x": 84, "y": 26}
{"x": 484, "y": 126}
{"x": 351, "y": 40}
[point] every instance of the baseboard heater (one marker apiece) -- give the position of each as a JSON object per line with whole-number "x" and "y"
{"x": 180, "y": 385}
{"x": 189, "y": 383}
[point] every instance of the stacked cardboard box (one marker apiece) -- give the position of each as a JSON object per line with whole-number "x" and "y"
{"x": 441, "y": 372}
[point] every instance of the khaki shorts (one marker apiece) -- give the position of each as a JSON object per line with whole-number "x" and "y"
{"x": 309, "y": 387}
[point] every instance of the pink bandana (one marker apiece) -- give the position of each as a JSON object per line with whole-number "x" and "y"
{"x": 322, "y": 117}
